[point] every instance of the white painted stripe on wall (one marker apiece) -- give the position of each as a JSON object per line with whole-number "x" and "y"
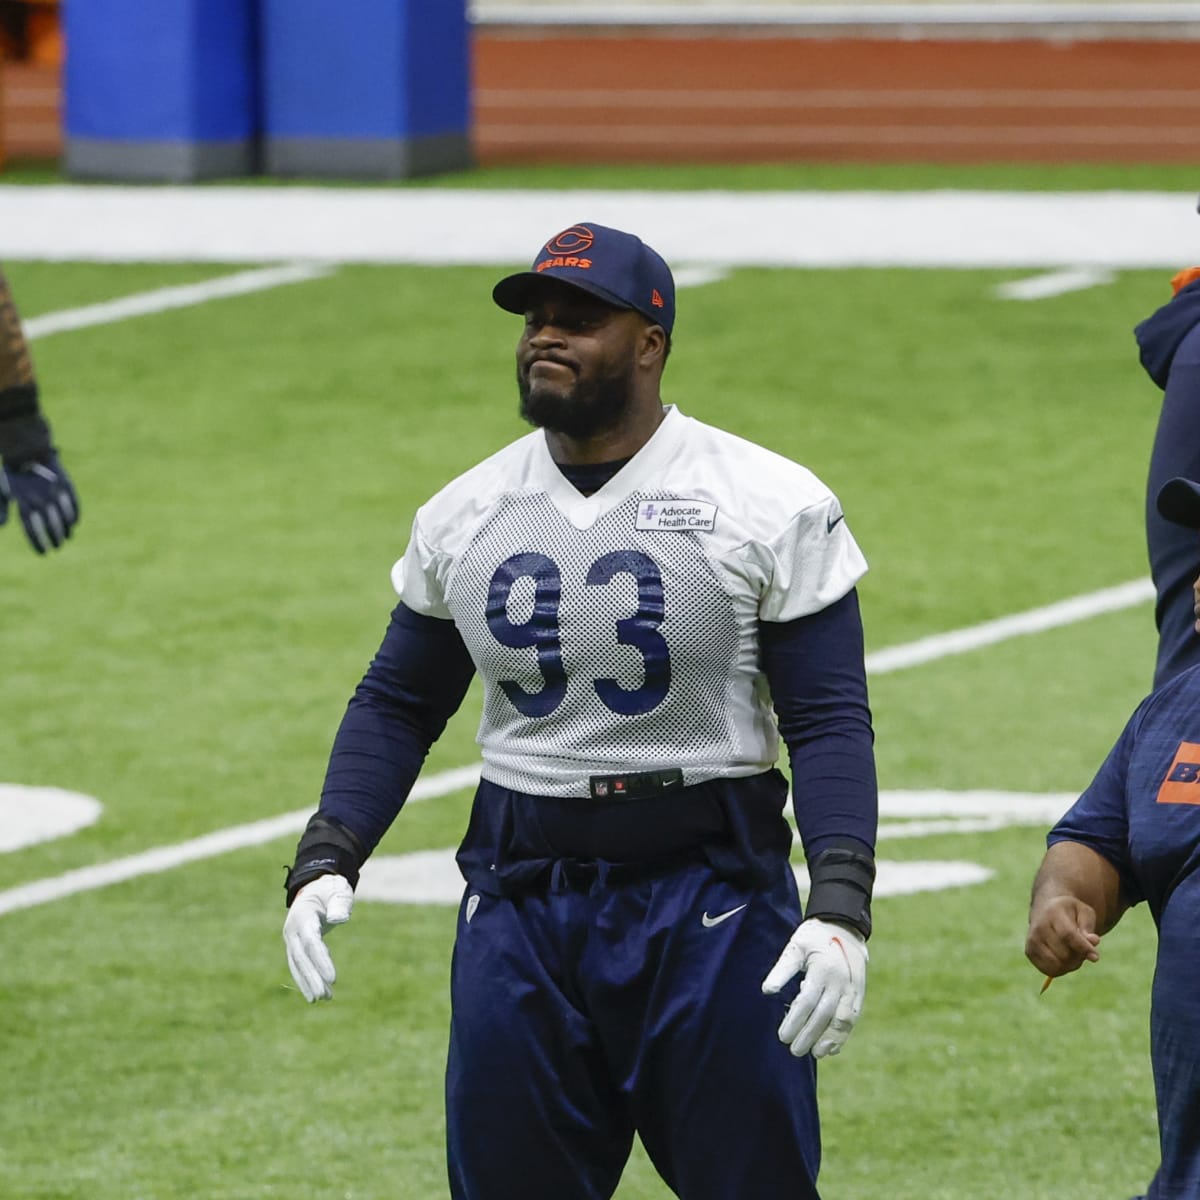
{"x": 497, "y": 12}
{"x": 787, "y": 133}
{"x": 801, "y": 97}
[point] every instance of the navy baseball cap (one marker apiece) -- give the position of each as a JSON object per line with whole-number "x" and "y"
{"x": 1179, "y": 501}
{"x": 617, "y": 267}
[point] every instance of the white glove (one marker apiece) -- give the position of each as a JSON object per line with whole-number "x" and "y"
{"x": 318, "y": 906}
{"x": 834, "y": 960}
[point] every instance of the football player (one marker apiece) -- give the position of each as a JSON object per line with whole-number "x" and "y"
{"x": 1169, "y": 347}
{"x": 1133, "y": 836}
{"x": 32, "y": 476}
{"x": 1130, "y": 836}
{"x": 650, "y": 602}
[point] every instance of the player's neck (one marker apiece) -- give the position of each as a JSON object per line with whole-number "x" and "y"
{"x": 622, "y": 442}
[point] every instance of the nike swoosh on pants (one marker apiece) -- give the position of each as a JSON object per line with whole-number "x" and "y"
{"x": 708, "y": 922}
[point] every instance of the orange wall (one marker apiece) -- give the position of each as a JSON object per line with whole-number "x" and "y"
{"x": 755, "y": 99}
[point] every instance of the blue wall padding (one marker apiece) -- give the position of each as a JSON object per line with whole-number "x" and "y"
{"x": 161, "y": 70}
{"x": 372, "y": 69}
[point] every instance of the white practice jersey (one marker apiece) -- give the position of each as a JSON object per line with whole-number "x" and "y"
{"x": 618, "y": 632}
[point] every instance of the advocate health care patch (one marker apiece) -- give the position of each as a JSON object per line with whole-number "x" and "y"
{"x": 684, "y": 516}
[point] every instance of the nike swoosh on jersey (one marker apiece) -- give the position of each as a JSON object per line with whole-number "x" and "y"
{"x": 708, "y": 922}
{"x": 831, "y": 523}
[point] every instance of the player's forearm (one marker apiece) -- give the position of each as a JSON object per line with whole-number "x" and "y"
{"x": 835, "y": 799}
{"x": 16, "y": 366}
{"x": 818, "y": 683}
{"x": 414, "y": 684}
{"x": 24, "y": 434}
{"x": 1072, "y": 870}
{"x": 817, "y": 676}
{"x": 375, "y": 761}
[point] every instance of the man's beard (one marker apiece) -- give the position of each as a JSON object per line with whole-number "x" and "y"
{"x": 591, "y": 407}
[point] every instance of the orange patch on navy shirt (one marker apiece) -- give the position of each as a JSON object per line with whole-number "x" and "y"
{"x": 1182, "y": 784}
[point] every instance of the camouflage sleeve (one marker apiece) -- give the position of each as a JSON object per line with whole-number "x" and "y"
{"x": 16, "y": 367}
{"x": 24, "y": 434}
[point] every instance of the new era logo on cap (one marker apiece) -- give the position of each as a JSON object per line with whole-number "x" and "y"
{"x": 615, "y": 266}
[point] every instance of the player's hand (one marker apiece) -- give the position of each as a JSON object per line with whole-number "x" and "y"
{"x": 834, "y": 960}
{"x": 45, "y": 499}
{"x": 318, "y": 906}
{"x": 1062, "y": 935}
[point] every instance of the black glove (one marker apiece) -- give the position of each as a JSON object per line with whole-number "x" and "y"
{"x": 30, "y": 472}
{"x": 45, "y": 499}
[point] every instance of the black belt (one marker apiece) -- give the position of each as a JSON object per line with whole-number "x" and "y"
{"x": 734, "y": 824}
{"x": 630, "y": 817}
{"x": 638, "y": 785}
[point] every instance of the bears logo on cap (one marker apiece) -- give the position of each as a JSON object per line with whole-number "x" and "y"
{"x": 575, "y": 240}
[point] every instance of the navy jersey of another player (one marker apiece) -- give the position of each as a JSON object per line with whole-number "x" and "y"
{"x": 1142, "y": 813}
{"x": 1169, "y": 344}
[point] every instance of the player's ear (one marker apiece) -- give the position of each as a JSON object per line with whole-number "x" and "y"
{"x": 653, "y": 346}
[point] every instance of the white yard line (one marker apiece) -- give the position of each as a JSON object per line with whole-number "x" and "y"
{"x": 165, "y": 858}
{"x": 1056, "y": 283}
{"x": 242, "y": 283}
{"x": 1035, "y": 620}
{"x": 182, "y": 296}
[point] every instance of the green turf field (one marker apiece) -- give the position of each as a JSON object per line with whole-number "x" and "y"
{"x": 1066, "y": 177}
{"x": 248, "y": 471}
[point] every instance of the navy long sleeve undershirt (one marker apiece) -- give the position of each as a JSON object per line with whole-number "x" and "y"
{"x": 417, "y": 680}
{"x": 818, "y": 681}
{"x": 413, "y": 686}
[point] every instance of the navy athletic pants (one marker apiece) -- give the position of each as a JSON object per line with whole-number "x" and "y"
{"x": 601, "y": 1005}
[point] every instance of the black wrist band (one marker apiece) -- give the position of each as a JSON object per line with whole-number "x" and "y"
{"x": 326, "y": 847}
{"x": 21, "y": 400}
{"x": 24, "y": 434}
{"x": 842, "y": 878}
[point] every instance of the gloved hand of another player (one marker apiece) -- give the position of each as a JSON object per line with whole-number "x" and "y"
{"x": 834, "y": 960}
{"x": 45, "y": 499}
{"x": 318, "y": 906}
